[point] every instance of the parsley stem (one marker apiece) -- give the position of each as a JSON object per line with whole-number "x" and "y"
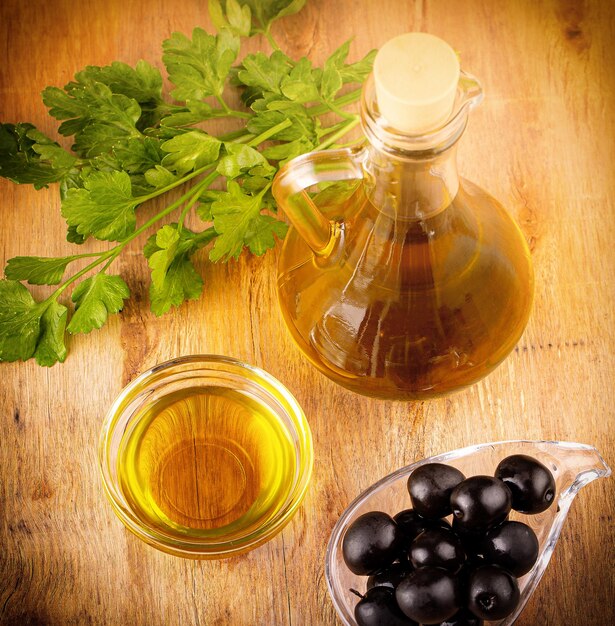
{"x": 340, "y": 112}
{"x": 166, "y": 108}
{"x": 111, "y": 254}
{"x": 350, "y": 97}
{"x": 340, "y": 133}
{"x": 177, "y": 183}
{"x": 74, "y": 257}
{"x": 234, "y": 134}
{"x": 194, "y": 198}
{"x": 333, "y": 128}
{"x": 217, "y": 113}
{"x": 231, "y": 112}
{"x": 223, "y": 104}
{"x": 111, "y": 258}
{"x": 79, "y": 274}
{"x": 270, "y": 132}
{"x": 272, "y": 42}
{"x": 205, "y": 182}
{"x": 244, "y": 139}
{"x": 241, "y": 114}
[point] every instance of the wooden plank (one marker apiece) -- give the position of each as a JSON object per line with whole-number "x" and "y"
{"x": 541, "y": 143}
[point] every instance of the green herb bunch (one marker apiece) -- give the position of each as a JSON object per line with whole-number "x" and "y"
{"x": 131, "y": 145}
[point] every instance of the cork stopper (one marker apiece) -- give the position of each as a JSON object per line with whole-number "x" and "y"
{"x": 416, "y": 76}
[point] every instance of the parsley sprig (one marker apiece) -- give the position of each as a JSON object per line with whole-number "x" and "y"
{"x": 131, "y": 144}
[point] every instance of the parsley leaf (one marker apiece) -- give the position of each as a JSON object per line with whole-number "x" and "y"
{"x": 265, "y": 72}
{"x": 238, "y": 222}
{"x": 198, "y": 68}
{"x": 236, "y": 18}
{"x": 159, "y": 177}
{"x": 284, "y": 152}
{"x": 72, "y": 236}
{"x": 190, "y": 151}
{"x": 28, "y": 156}
{"x": 37, "y": 270}
{"x": 20, "y": 321}
{"x": 94, "y": 114}
{"x": 260, "y": 234}
{"x": 131, "y": 144}
{"x": 359, "y": 71}
{"x": 300, "y": 84}
{"x": 267, "y": 11}
{"x": 193, "y": 113}
{"x": 28, "y": 328}
{"x": 50, "y": 347}
{"x": 303, "y": 126}
{"x": 331, "y": 81}
{"x": 174, "y": 278}
{"x": 206, "y": 199}
{"x": 239, "y": 158}
{"x": 104, "y": 208}
{"x": 143, "y": 83}
{"x": 94, "y": 299}
{"x": 138, "y": 155}
{"x": 48, "y": 150}
{"x": 166, "y": 240}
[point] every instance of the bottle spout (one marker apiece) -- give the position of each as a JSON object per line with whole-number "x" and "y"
{"x": 469, "y": 93}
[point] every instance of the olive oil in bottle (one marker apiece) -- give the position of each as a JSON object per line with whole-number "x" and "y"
{"x": 411, "y": 308}
{"x": 206, "y": 463}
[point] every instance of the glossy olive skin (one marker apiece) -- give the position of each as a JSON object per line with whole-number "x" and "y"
{"x": 463, "y": 618}
{"x": 438, "y": 548}
{"x": 430, "y": 488}
{"x": 371, "y": 543}
{"x": 463, "y": 575}
{"x": 480, "y": 502}
{"x": 429, "y": 595}
{"x": 493, "y": 592}
{"x": 379, "y": 608}
{"x": 413, "y": 524}
{"x": 513, "y": 546}
{"x": 471, "y": 540}
{"x": 531, "y": 483}
{"x": 389, "y": 577}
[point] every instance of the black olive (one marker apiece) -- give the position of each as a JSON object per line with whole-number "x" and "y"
{"x": 493, "y": 592}
{"x": 480, "y": 502}
{"x": 430, "y": 488}
{"x": 532, "y": 485}
{"x": 371, "y": 543}
{"x": 513, "y": 546}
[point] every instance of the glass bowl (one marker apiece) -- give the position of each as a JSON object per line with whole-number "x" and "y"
{"x": 208, "y": 374}
{"x": 573, "y": 465}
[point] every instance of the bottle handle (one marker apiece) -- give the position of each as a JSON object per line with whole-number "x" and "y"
{"x": 292, "y": 181}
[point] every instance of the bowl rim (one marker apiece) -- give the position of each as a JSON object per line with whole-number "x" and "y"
{"x": 302, "y": 442}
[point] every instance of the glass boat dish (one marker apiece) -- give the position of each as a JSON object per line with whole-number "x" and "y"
{"x": 573, "y": 465}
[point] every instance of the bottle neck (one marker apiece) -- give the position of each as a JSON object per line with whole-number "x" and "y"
{"x": 403, "y": 187}
{"x": 414, "y": 177}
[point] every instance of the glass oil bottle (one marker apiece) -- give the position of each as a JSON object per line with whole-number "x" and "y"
{"x": 402, "y": 280}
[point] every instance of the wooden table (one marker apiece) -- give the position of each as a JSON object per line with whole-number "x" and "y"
{"x": 542, "y": 143}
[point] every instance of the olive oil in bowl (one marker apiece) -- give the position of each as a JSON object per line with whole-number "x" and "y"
{"x": 206, "y": 464}
{"x": 207, "y": 461}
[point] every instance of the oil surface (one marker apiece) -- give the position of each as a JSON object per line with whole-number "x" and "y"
{"x": 410, "y": 308}
{"x": 207, "y": 462}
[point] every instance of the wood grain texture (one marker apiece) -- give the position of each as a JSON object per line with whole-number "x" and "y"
{"x": 541, "y": 142}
